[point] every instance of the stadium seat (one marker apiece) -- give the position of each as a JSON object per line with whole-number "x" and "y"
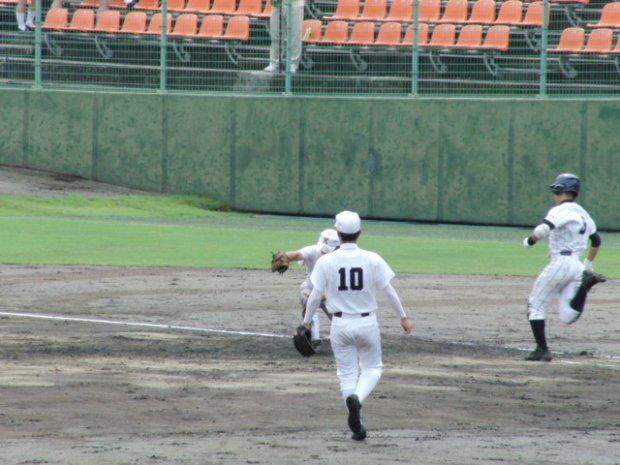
{"x": 600, "y": 40}
{"x": 455, "y": 11}
{"x": 250, "y": 7}
{"x": 510, "y": 13}
{"x": 389, "y": 34}
{"x": 56, "y": 19}
{"x": 186, "y": 25}
{"x": 175, "y": 5}
{"x": 534, "y": 15}
{"x": 267, "y": 9}
{"x": 108, "y": 21}
{"x": 497, "y": 38}
{"x": 470, "y": 37}
{"x": 429, "y": 11}
{"x": 316, "y": 30}
{"x": 226, "y": 7}
{"x": 346, "y": 10}
{"x": 83, "y": 20}
{"x": 147, "y": 5}
{"x": 363, "y": 33}
{"x": 422, "y": 35}
{"x": 336, "y": 32}
{"x": 610, "y": 16}
{"x": 198, "y": 6}
{"x": 571, "y": 41}
{"x": 482, "y": 12}
{"x": 155, "y": 25}
{"x": 134, "y": 23}
{"x": 401, "y": 11}
{"x": 212, "y": 27}
{"x": 374, "y": 10}
{"x": 238, "y": 28}
{"x": 444, "y": 36}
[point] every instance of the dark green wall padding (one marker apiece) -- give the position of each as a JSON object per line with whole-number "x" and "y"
{"x": 444, "y": 160}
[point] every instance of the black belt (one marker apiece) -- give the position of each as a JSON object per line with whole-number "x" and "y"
{"x": 566, "y": 253}
{"x": 339, "y": 314}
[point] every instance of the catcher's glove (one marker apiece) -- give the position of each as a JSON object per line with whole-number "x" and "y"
{"x": 279, "y": 262}
{"x": 302, "y": 339}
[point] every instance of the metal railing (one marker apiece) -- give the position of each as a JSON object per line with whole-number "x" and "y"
{"x": 419, "y": 48}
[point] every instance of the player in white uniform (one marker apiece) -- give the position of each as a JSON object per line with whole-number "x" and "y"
{"x": 308, "y": 256}
{"x": 568, "y": 227}
{"x": 349, "y": 277}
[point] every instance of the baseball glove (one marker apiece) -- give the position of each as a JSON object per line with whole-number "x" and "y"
{"x": 279, "y": 262}
{"x": 302, "y": 339}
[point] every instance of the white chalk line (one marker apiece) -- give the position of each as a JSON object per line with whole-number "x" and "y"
{"x": 197, "y": 329}
{"x": 138, "y": 324}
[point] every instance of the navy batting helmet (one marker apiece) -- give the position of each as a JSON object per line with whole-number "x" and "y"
{"x": 566, "y": 182}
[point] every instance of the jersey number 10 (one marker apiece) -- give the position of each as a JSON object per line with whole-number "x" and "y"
{"x": 356, "y": 279}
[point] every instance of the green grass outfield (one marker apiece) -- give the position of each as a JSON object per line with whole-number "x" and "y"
{"x": 190, "y": 232}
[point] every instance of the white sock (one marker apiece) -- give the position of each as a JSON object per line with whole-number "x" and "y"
{"x": 21, "y": 19}
{"x": 30, "y": 18}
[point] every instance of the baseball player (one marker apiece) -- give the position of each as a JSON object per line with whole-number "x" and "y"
{"x": 569, "y": 227}
{"x": 308, "y": 256}
{"x": 349, "y": 278}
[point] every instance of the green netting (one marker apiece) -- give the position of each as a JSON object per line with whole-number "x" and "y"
{"x": 349, "y": 47}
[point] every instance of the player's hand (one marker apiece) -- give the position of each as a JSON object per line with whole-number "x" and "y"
{"x": 526, "y": 242}
{"x": 406, "y": 325}
{"x": 588, "y": 265}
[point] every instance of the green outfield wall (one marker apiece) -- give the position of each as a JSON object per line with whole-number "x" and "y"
{"x": 444, "y": 160}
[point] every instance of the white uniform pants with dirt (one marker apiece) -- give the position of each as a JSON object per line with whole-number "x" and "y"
{"x": 356, "y": 343}
{"x": 297, "y": 13}
{"x": 560, "y": 278}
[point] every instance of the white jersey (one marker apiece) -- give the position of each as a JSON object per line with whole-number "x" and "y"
{"x": 571, "y": 226}
{"x": 311, "y": 255}
{"x": 350, "y": 277}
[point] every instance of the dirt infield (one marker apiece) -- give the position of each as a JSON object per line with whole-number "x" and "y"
{"x": 192, "y": 367}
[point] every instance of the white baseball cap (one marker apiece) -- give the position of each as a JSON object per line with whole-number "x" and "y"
{"x": 328, "y": 240}
{"x": 348, "y": 222}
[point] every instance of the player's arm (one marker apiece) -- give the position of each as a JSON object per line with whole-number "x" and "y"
{"x": 295, "y": 256}
{"x": 595, "y": 243}
{"x": 312, "y": 306}
{"x": 394, "y": 300}
{"x": 540, "y": 232}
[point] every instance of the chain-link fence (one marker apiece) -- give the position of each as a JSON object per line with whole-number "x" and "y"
{"x": 368, "y": 47}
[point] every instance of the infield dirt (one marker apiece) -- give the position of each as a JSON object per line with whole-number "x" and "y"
{"x": 116, "y": 366}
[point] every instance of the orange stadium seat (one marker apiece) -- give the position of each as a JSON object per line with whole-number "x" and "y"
{"x": 238, "y": 28}
{"x": 534, "y": 15}
{"x": 571, "y": 40}
{"x": 346, "y": 9}
{"x": 444, "y": 36}
{"x": 147, "y": 5}
{"x": 186, "y": 25}
{"x": 600, "y": 40}
{"x": 316, "y": 30}
{"x": 422, "y": 35}
{"x": 363, "y": 33}
{"x": 134, "y": 23}
{"x": 83, "y": 20}
{"x": 226, "y": 7}
{"x": 336, "y": 32}
{"x": 198, "y": 6}
{"x": 470, "y": 36}
{"x": 56, "y": 18}
{"x": 249, "y": 7}
{"x": 455, "y": 11}
{"x": 610, "y": 16}
{"x": 212, "y": 27}
{"x": 497, "y": 38}
{"x": 175, "y": 5}
{"x": 482, "y": 12}
{"x": 429, "y": 11}
{"x": 510, "y": 12}
{"x": 374, "y": 10}
{"x": 401, "y": 10}
{"x": 155, "y": 25}
{"x": 108, "y": 21}
{"x": 266, "y": 13}
{"x": 389, "y": 34}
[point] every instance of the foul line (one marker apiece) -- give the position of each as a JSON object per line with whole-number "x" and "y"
{"x": 138, "y": 324}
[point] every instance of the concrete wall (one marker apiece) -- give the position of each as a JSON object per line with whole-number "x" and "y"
{"x": 456, "y": 160}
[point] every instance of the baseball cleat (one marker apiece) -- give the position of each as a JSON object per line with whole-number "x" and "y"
{"x": 591, "y": 278}
{"x": 360, "y": 435}
{"x": 355, "y": 419}
{"x": 539, "y": 355}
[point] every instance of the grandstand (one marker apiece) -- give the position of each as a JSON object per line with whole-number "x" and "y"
{"x": 367, "y": 47}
